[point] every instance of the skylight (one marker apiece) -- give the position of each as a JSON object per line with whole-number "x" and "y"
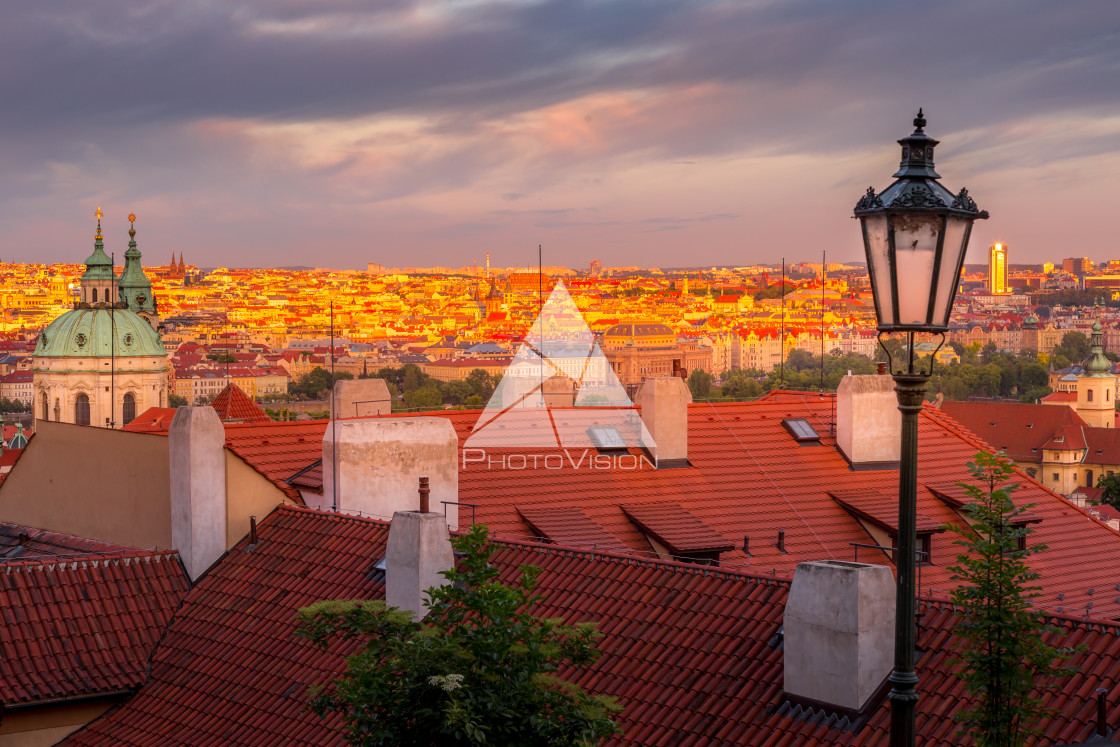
{"x": 606, "y": 437}
{"x": 801, "y": 430}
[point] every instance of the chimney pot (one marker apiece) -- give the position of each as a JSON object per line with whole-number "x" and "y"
{"x": 747, "y": 545}
{"x": 781, "y": 541}
{"x": 424, "y": 491}
{"x": 1102, "y": 715}
{"x": 880, "y": 368}
{"x": 252, "y": 530}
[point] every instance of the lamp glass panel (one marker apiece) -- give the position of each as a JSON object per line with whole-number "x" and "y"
{"x": 956, "y": 229}
{"x": 878, "y": 259}
{"x": 915, "y": 244}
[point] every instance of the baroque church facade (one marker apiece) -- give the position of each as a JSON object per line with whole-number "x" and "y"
{"x": 103, "y": 362}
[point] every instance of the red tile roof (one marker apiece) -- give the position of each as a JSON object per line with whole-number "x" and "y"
{"x": 152, "y": 420}
{"x": 26, "y": 543}
{"x": 232, "y": 404}
{"x": 1060, "y": 397}
{"x": 83, "y": 627}
{"x": 567, "y": 525}
{"x": 692, "y": 653}
{"x": 1019, "y": 429}
{"x": 880, "y": 509}
{"x": 747, "y": 478}
{"x": 673, "y": 526}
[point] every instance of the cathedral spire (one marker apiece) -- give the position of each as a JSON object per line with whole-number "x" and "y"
{"x": 134, "y": 286}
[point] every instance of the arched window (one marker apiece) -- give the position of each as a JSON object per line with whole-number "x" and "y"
{"x": 128, "y": 413}
{"x": 81, "y": 410}
{"x": 1107, "y": 395}
{"x": 46, "y": 408}
{"x": 1089, "y": 395}
{"x": 95, "y": 295}
{"x": 108, "y": 295}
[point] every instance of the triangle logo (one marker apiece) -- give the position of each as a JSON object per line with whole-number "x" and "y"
{"x": 559, "y": 391}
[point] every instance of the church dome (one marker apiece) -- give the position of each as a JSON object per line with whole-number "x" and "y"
{"x": 99, "y": 332}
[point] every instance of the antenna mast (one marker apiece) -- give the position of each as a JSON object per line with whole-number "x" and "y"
{"x": 782, "y": 340}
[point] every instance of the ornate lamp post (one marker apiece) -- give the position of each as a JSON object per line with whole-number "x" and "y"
{"x": 915, "y": 233}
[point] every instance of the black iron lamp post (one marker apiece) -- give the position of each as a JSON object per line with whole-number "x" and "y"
{"x": 915, "y": 233}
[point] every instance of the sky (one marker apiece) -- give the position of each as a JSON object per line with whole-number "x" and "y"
{"x": 336, "y": 133}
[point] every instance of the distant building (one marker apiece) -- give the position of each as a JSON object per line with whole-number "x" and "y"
{"x": 997, "y": 269}
{"x": 1077, "y": 265}
{"x": 596, "y": 268}
{"x": 102, "y": 363}
{"x": 639, "y": 351}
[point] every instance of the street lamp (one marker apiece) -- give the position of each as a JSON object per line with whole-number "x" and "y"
{"x": 915, "y": 233}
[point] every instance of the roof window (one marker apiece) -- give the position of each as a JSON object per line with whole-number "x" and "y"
{"x": 801, "y": 430}
{"x": 606, "y": 438}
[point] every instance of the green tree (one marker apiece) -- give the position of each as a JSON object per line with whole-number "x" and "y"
{"x": 1074, "y": 346}
{"x": 428, "y": 398}
{"x": 221, "y": 357}
{"x": 481, "y": 383}
{"x": 316, "y": 384}
{"x": 1004, "y": 650}
{"x": 480, "y": 669}
{"x": 700, "y": 383}
{"x": 1111, "y": 485}
{"x": 174, "y": 400}
{"x": 13, "y": 405}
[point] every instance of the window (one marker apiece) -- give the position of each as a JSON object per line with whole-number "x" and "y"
{"x": 925, "y": 549}
{"x": 81, "y": 410}
{"x": 1055, "y": 476}
{"x": 1089, "y": 478}
{"x": 128, "y": 413}
{"x": 1107, "y": 394}
{"x": 1089, "y": 395}
{"x": 95, "y": 295}
{"x": 801, "y": 430}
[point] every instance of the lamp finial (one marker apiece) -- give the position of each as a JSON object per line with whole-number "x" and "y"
{"x": 131, "y": 227}
{"x": 99, "y": 214}
{"x": 920, "y": 120}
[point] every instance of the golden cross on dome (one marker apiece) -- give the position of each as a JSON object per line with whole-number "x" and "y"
{"x": 99, "y": 214}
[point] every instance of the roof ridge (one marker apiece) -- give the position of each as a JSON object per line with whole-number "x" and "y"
{"x": 87, "y": 559}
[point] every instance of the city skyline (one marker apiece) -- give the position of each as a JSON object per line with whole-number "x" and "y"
{"x": 652, "y": 133}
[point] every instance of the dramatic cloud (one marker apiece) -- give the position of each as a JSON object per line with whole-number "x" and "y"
{"x": 339, "y": 132}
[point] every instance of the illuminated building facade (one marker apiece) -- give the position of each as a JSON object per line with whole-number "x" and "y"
{"x": 997, "y": 269}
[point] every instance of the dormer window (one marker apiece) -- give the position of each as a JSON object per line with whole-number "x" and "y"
{"x": 606, "y": 439}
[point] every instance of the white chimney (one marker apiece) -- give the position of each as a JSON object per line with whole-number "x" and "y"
{"x": 839, "y": 632}
{"x": 664, "y": 402}
{"x": 419, "y": 549}
{"x": 379, "y": 463}
{"x": 868, "y": 422}
{"x": 359, "y": 398}
{"x": 197, "y": 459}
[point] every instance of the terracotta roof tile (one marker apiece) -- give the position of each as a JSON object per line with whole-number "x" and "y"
{"x": 692, "y": 653}
{"x": 568, "y": 525}
{"x": 232, "y": 404}
{"x": 880, "y": 509}
{"x": 676, "y": 528}
{"x": 83, "y": 626}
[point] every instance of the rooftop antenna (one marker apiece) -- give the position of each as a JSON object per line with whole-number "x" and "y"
{"x": 540, "y": 308}
{"x": 782, "y": 340}
{"x": 824, "y": 277}
{"x": 112, "y": 337}
{"x": 334, "y": 422}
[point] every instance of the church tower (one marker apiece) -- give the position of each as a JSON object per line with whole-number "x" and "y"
{"x": 135, "y": 288}
{"x": 1097, "y": 385}
{"x": 98, "y": 283}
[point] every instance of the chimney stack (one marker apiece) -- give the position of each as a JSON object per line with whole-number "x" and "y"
{"x": 359, "y": 398}
{"x": 374, "y": 465}
{"x": 419, "y": 549}
{"x": 664, "y": 402}
{"x": 197, "y": 459}
{"x": 868, "y": 422}
{"x": 839, "y": 633}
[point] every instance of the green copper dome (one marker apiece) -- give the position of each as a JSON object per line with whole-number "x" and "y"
{"x": 99, "y": 332}
{"x": 1096, "y": 364}
{"x": 98, "y": 264}
{"x": 134, "y": 285}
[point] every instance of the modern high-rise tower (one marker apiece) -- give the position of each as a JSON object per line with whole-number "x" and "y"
{"x": 997, "y": 269}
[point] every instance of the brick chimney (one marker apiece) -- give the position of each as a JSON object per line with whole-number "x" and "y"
{"x": 419, "y": 549}
{"x": 380, "y": 461}
{"x": 664, "y": 402}
{"x": 197, "y": 460}
{"x": 868, "y": 423}
{"x": 839, "y": 633}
